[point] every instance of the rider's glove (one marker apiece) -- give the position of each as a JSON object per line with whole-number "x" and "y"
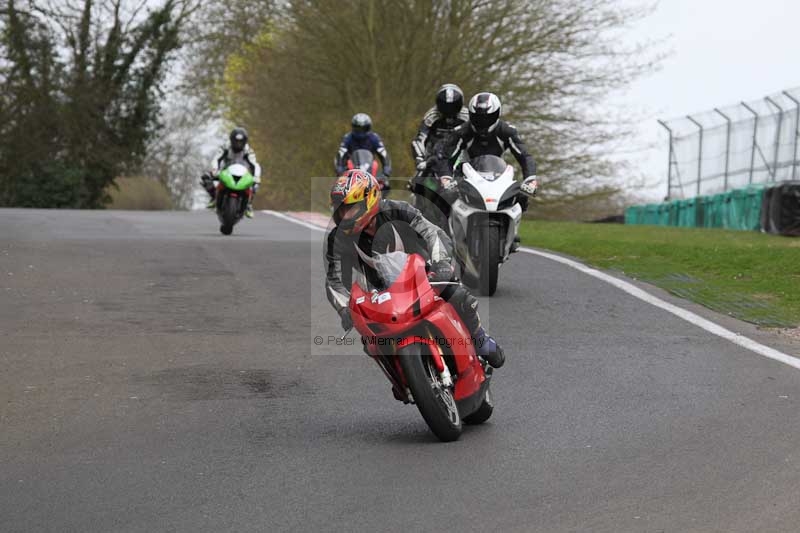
{"x": 347, "y": 320}
{"x": 530, "y": 185}
{"x": 422, "y": 164}
{"x": 441, "y": 271}
{"x": 447, "y": 183}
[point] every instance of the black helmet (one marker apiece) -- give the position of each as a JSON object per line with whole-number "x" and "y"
{"x": 362, "y": 124}
{"x": 484, "y": 112}
{"x": 449, "y": 100}
{"x": 238, "y": 139}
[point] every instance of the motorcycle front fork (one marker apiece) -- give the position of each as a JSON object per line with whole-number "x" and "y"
{"x": 447, "y": 378}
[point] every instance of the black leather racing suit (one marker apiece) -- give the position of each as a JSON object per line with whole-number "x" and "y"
{"x": 434, "y": 127}
{"x": 495, "y": 141}
{"x": 418, "y": 236}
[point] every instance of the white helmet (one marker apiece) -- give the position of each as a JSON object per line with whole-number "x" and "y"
{"x": 484, "y": 112}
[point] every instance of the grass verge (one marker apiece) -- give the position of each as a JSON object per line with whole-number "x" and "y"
{"x": 747, "y": 275}
{"x": 139, "y": 194}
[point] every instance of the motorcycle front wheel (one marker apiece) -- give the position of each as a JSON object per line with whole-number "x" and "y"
{"x": 434, "y": 401}
{"x": 489, "y": 260}
{"x": 230, "y": 212}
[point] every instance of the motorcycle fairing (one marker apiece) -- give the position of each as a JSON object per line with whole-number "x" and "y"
{"x": 236, "y": 178}
{"x": 465, "y": 219}
{"x": 414, "y": 313}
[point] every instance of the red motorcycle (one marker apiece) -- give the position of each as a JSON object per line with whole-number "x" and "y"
{"x": 420, "y": 343}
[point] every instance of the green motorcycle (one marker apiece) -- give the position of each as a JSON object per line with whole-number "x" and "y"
{"x": 434, "y": 190}
{"x": 233, "y": 195}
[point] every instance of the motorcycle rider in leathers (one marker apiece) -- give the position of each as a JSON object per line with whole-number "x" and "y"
{"x": 364, "y": 220}
{"x": 437, "y": 125}
{"x": 238, "y": 151}
{"x": 439, "y": 121}
{"x": 361, "y": 137}
{"x": 487, "y": 134}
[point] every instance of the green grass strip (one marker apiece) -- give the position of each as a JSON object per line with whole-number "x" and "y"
{"x": 747, "y": 275}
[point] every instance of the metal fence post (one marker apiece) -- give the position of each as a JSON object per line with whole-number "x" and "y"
{"x": 669, "y": 159}
{"x": 727, "y": 144}
{"x": 777, "y": 137}
{"x": 700, "y": 153}
{"x": 796, "y": 130}
{"x": 755, "y": 142}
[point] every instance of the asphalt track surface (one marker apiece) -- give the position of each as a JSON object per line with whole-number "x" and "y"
{"x": 157, "y": 376}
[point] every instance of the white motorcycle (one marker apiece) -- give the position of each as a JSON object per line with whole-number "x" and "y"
{"x": 484, "y": 220}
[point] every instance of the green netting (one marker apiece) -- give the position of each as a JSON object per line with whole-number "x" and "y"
{"x": 687, "y": 213}
{"x": 680, "y": 210}
{"x": 736, "y": 209}
{"x": 718, "y": 206}
{"x": 700, "y": 212}
{"x": 633, "y": 214}
{"x": 705, "y": 204}
{"x": 641, "y": 214}
{"x": 734, "y": 214}
{"x": 691, "y": 215}
{"x": 752, "y": 207}
{"x": 674, "y": 212}
{"x": 651, "y": 214}
{"x": 663, "y": 214}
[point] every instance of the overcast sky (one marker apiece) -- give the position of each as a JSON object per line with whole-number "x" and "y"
{"x": 723, "y": 52}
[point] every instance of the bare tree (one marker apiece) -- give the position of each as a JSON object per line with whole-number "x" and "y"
{"x": 552, "y": 62}
{"x": 195, "y": 112}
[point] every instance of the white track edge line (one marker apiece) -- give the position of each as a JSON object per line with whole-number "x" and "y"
{"x": 295, "y": 220}
{"x": 688, "y": 316}
{"x": 684, "y": 314}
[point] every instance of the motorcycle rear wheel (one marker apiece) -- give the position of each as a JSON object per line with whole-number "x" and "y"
{"x": 434, "y": 401}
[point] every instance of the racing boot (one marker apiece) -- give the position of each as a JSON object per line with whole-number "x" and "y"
{"x": 249, "y": 211}
{"x": 488, "y": 349}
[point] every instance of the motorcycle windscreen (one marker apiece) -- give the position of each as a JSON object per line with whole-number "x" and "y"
{"x": 490, "y": 167}
{"x": 387, "y": 267}
{"x": 237, "y": 170}
{"x": 362, "y": 159}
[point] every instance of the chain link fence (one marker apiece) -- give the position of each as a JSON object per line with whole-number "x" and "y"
{"x": 735, "y": 146}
